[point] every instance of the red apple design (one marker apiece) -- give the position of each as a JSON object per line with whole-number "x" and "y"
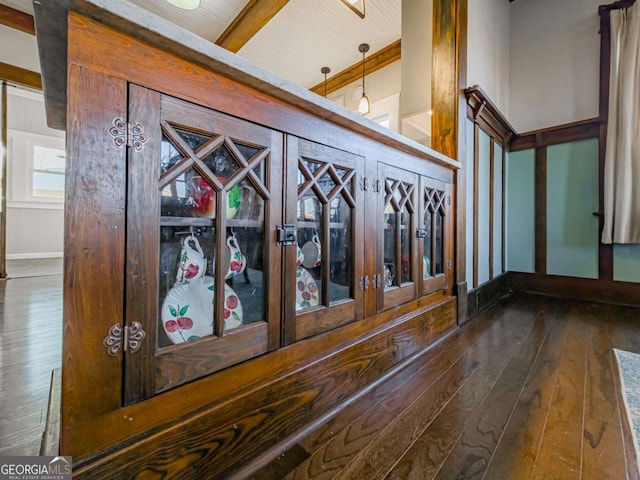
{"x": 227, "y": 313}
{"x": 184, "y": 322}
{"x": 312, "y": 287}
{"x": 232, "y": 302}
{"x": 235, "y": 266}
{"x": 171, "y": 326}
{"x": 301, "y": 286}
{"x": 306, "y": 295}
{"x": 192, "y": 271}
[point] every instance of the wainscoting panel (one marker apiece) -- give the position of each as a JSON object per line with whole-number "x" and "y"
{"x": 626, "y": 263}
{"x": 520, "y": 203}
{"x": 484, "y": 217}
{"x": 498, "y": 224}
{"x": 34, "y": 232}
{"x": 572, "y": 197}
{"x": 469, "y": 165}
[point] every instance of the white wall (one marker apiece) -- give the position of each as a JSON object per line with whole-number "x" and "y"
{"x": 379, "y": 85}
{"x": 19, "y": 49}
{"x": 35, "y": 226}
{"x": 488, "y": 59}
{"x": 555, "y": 55}
{"x": 417, "y": 45}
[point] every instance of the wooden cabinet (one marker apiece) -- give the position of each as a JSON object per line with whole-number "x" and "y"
{"x": 203, "y": 195}
{"x": 415, "y": 235}
{"x": 182, "y": 179}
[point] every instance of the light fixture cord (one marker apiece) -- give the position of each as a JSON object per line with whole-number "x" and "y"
{"x": 363, "y": 94}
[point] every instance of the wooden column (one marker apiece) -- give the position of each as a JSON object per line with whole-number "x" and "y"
{"x": 541, "y": 210}
{"x": 605, "y": 251}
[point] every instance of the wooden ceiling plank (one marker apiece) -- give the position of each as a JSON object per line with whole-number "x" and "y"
{"x": 255, "y": 15}
{"x": 389, "y": 54}
{"x": 20, "y": 76}
{"x": 16, "y": 19}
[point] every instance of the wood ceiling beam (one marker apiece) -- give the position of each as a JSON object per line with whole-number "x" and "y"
{"x": 389, "y": 54}
{"x": 16, "y": 19}
{"x": 20, "y": 76}
{"x": 255, "y": 15}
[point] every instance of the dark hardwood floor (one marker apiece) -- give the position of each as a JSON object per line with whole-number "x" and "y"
{"x": 30, "y": 348}
{"x": 528, "y": 389}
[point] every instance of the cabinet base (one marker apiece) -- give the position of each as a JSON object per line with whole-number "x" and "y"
{"x": 248, "y": 432}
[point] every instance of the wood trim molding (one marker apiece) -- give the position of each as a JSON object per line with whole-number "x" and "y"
{"x": 3, "y": 182}
{"x": 541, "y": 210}
{"x": 487, "y": 294}
{"x": 255, "y": 15}
{"x": 16, "y": 19}
{"x": 476, "y": 208}
{"x": 492, "y": 173}
{"x": 389, "y": 54}
{"x": 20, "y": 76}
{"x": 482, "y": 110}
{"x": 569, "y": 132}
{"x": 593, "y": 290}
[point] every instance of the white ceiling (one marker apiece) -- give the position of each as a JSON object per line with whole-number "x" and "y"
{"x": 303, "y": 37}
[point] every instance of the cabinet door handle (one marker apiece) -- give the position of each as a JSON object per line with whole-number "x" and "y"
{"x": 125, "y": 338}
{"x": 377, "y": 280}
{"x": 364, "y": 283}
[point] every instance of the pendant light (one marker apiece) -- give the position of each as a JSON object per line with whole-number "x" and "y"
{"x": 185, "y": 4}
{"x": 363, "y": 106}
{"x": 325, "y": 70}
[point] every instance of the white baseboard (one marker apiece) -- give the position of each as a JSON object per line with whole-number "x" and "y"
{"x": 28, "y": 256}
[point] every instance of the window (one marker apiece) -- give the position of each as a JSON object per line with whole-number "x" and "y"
{"x": 35, "y": 169}
{"x": 47, "y": 178}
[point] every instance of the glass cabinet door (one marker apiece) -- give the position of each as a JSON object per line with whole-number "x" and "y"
{"x": 397, "y": 252}
{"x": 433, "y": 235}
{"x": 322, "y": 290}
{"x": 201, "y": 204}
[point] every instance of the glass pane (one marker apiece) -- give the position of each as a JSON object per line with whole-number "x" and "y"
{"x": 340, "y": 267}
{"x": 247, "y": 151}
{"x": 439, "y": 243}
{"x": 169, "y": 154}
{"x": 186, "y": 284}
{"x": 221, "y": 163}
{"x": 326, "y": 183}
{"x": 405, "y": 245}
{"x": 309, "y": 209}
{"x": 190, "y": 195}
{"x": 194, "y": 140}
{"x": 244, "y": 256}
{"x": 48, "y": 185}
{"x": 310, "y": 252}
{"x": 426, "y": 261}
{"x": 390, "y": 247}
{"x": 311, "y": 165}
{"x": 341, "y": 172}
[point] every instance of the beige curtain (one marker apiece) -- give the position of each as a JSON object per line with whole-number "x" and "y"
{"x": 622, "y": 161}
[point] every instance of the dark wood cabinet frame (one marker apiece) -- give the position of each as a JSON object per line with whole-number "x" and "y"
{"x": 218, "y": 422}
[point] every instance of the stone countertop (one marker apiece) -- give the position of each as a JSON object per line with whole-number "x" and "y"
{"x": 51, "y": 29}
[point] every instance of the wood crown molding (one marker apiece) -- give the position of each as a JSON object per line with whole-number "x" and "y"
{"x": 255, "y": 15}
{"x": 16, "y": 19}
{"x": 482, "y": 110}
{"x": 486, "y": 114}
{"x": 569, "y": 132}
{"x": 389, "y": 54}
{"x": 602, "y": 9}
{"x": 20, "y": 76}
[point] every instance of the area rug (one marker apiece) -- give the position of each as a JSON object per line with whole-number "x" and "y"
{"x": 629, "y": 367}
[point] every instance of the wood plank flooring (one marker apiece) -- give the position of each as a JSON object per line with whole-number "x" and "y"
{"x": 30, "y": 348}
{"x": 527, "y": 390}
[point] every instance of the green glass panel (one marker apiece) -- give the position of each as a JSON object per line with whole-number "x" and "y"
{"x": 521, "y": 211}
{"x": 572, "y": 197}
